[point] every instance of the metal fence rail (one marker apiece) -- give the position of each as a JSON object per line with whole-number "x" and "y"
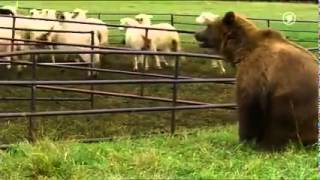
{"x": 57, "y": 85}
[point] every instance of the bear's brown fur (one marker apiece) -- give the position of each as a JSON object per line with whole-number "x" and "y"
{"x": 276, "y": 81}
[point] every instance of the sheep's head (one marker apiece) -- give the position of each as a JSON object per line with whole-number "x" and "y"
{"x": 144, "y": 19}
{"x": 51, "y": 13}
{"x": 79, "y": 13}
{"x": 59, "y": 15}
{"x": 44, "y": 12}
{"x": 66, "y": 16}
{"x": 206, "y": 18}
{"x": 11, "y": 8}
{"x": 127, "y": 22}
{"x": 34, "y": 13}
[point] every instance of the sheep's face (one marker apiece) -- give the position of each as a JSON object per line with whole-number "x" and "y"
{"x": 127, "y": 22}
{"x": 34, "y": 13}
{"x": 59, "y": 15}
{"x": 65, "y": 16}
{"x": 79, "y": 13}
{"x": 75, "y": 14}
{"x": 51, "y": 13}
{"x": 143, "y": 19}
{"x": 211, "y": 36}
{"x": 140, "y": 20}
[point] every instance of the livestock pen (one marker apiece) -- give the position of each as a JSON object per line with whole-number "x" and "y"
{"x": 67, "y": 65}
{"x": 140, "y": 144}
{"x": 176, "y": 78}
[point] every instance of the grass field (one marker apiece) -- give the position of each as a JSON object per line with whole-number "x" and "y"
{"x": 250, "y": 9}
{"x": 198, "y": 154}
{"x": 208, "y": 146}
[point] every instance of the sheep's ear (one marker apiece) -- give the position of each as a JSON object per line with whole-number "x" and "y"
{"x": 229, "y": 18}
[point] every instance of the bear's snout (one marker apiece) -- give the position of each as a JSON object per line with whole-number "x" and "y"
{"x": 199, "y": 37}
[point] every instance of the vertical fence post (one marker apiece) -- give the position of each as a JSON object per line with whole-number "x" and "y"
{"x": 32, "y": 126}
{"x": 99, "y": 15}
{"x": 174, "y": 95}
{"x": 143, "y": 68}
{"x": 172, "y": 19}
{"x": 12, "y": 37}
{"x": 268, "y": 23}
{"x": 91, "y": 71}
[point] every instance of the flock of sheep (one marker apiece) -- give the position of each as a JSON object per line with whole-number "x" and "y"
{"x": 135, "y": 38}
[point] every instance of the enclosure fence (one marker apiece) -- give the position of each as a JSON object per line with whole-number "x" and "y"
{"x": 34, "y": 84}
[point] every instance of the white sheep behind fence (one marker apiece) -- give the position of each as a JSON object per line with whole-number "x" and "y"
{"x": 166, "y": 41}
{"x": 206, "y": 18}
{"x": 5, "y": 46}
{"x": 144, "y": 19}
{"x": 76, "y": 38}
{"x": 134, "y": 38}
{"x": 47, "y": 26}
{"x": 13, "y": 9}
{"x": 163, "y": 40}
{"x": 157, "y": 40}
{"x": 7, "y": 22}
{"x": 101, "y": 30}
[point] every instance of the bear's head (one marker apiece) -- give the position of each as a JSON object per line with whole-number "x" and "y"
{"x": 227, "y": 34}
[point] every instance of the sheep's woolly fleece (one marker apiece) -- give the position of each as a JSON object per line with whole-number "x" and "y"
{"x": 206, "y": 18}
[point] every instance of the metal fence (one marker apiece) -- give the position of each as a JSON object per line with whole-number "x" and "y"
{"x": 176, "y": 104}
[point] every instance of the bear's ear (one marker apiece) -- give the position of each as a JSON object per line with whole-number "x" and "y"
{"x": 229, "y": 18}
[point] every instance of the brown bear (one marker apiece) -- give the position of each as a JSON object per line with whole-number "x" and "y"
{"x": 276, "y": 81}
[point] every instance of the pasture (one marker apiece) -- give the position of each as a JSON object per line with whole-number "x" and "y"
{"x": 206, "y": 146}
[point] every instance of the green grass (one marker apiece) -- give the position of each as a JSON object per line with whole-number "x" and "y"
{"x": 14, "y": 129}
{"x": 199, "y": 154}
{"x": 251, "y": 9}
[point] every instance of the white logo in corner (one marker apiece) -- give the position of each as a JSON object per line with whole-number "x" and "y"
{"x": 289, "y": 18}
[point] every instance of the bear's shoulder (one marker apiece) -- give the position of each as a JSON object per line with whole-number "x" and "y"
{"x": 269, "y": 34}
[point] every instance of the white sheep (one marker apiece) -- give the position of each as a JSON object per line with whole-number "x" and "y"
{"x": 11, "y": 8}
{"x": 6, "y": 33}
{"x": 206, "y": 18}
{"x": 80, "y": 13}
{"x": 164, "y": 40}
{"x": 159, "y": 40}
{"x": 42, "y": 24}
{"x": 35, "y": 13}
{"x": 134, "y": 38}
{"x": 144, "y": 19}
{"x": 76, "y": 38}
{"x": 100, "y": 30}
